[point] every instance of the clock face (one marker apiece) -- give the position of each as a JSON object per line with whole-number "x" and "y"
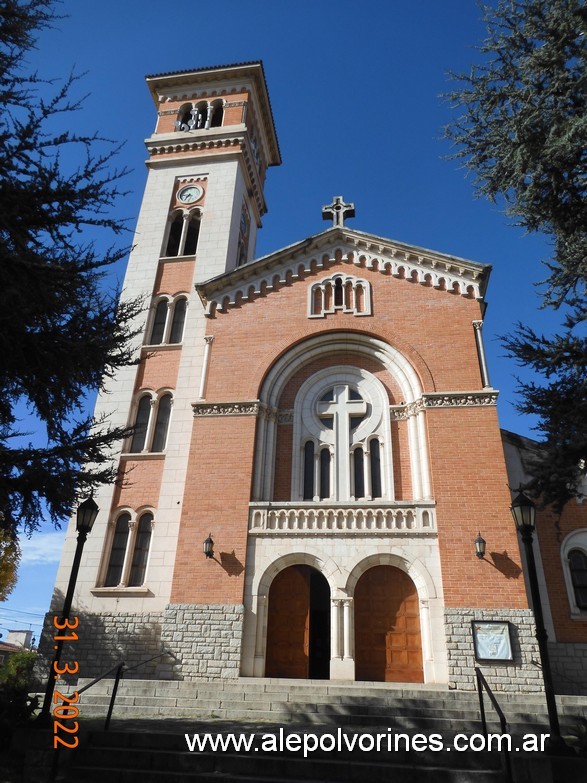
{"x": 189, "y": 194}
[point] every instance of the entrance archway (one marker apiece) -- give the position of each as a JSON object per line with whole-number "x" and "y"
{"x": 298, "y": 625}
{"x": 388, "y": 647}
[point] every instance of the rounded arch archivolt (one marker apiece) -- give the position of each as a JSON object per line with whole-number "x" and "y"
{"x": 327, "y": 568}
{"x": 301, "y": 354}
{"x": 417, "y": 572}
{"x": 402, "y": 361}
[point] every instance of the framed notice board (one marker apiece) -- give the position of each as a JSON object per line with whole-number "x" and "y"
{"x": 492, "y": 640}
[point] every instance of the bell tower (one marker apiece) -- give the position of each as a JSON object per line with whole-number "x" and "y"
{"x": 213, "y": 141}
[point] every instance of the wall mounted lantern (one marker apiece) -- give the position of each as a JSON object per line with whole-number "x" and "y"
{"x": 209, "y": 546}
{"x": 480, "y": 544}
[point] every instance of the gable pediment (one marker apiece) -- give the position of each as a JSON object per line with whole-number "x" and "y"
{"x": 356, "y": 249}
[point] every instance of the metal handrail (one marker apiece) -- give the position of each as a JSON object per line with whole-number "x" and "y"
{"x": 482, "y": 684}
{"x": 119, "y": 668}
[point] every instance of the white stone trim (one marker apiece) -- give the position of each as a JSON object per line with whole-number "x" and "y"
{"x": 307, "y": 426}
{"x": 150, "y": 433}
{"x": 122, "y": 588}
{"x": 305, "y": 352}
{"x": 342, "y": 561}
{"x": 342, "y": 519}
{"x": 171, "y": 300}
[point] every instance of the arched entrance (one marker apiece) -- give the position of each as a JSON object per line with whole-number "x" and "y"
{"x": 298, "y": 625}
{"x": 388, "y": 646}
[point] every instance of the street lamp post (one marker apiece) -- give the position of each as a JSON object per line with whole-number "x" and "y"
{"x": 86, "y": 516}
{"x": 524, "y": 514}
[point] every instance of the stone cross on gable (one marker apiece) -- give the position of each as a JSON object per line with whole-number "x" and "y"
{"x": 337, "y": 211}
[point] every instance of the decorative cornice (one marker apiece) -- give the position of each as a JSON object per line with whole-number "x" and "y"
{"x": 444, "y": 400}
{"x": 170, "y": 146}
{"x": 321, "y": 251}
{"x": 397, "y": 412}
{"x": 252, "y": 408}
{"x": 460, "y": 399}
{"x": 225, "y": 140}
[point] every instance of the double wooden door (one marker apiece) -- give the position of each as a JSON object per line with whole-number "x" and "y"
{"x": 298, "y": 625}
{"x": 388, "y": 645}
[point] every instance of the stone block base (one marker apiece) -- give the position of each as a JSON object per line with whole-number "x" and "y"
{"x": 569, "y": 667}
{"x": 105, "y": 640}
{"x": 206, "y": 638}
{"x": 520, "y": 675}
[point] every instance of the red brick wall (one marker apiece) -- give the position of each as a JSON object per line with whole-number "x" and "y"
{"x": 470, "y": 487}
{"x": 433, "y": 330}
{"x": 216, "y": 500}
{"x": 174, "y": 277}
{"x": 158, "y": 369}
{"x": 140, "y": 482}
{"x": 552, "y": 530}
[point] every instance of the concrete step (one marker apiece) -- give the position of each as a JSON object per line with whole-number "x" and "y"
{"x": 290, "y": 701}
{"x": 138, "y": 757}
{"x": 151, "y": 718}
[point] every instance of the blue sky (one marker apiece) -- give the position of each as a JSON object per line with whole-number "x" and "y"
{"x": 357, "y": 107}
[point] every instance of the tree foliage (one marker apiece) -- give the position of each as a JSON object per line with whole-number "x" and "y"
{"x": 9, "y": 560}
{"x": 61, "y": 331}
{"x": 523, "y": 134}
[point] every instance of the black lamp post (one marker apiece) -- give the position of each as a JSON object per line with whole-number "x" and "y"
{"x": 85, "y": 518}
{"x": 524, "y": 514}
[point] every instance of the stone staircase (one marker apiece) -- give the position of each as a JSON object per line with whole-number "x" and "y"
{"x": 146, "y": 742}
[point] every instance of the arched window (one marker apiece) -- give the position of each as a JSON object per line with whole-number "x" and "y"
{"x": 118, "y": 551}
{"x": 129, "y": 550}
{"x": 158, "y": 330}
{"x": 141, "y": 424}
{"x": 217, "y": 110}
{"x": 578, "y": 571}
{"x": 201, "y": 116}
{"x": 325, "y": 488}
{"x": 339, "y": 292}
{"x": 178, "y": 320}
{"x": 342, "y": 438}
{"x": 174, "y": 237}
{"x": 168, "y": 320}
{"x": 182, "y": 234}
{"x": 141, "y": 551}
{"x": 151, "y": 423}
{"x": 185, "y": 118}
{"x": 574, "y": 563}
{"x": 308, "y": 489}
{"x": 192, "y": 234}
{"x": 162, "y": 423}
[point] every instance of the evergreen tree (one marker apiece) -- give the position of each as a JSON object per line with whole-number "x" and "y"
{"x": 523, "y": 133}
{"x": 61, "y": 331}
{"x": 9, "y": 560}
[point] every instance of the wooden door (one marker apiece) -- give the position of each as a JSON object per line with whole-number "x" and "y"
{"x": 388, "y": 646}
{"x": 288, "y": 624}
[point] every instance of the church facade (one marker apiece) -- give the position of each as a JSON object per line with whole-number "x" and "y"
{"x": 319, "y": 420}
